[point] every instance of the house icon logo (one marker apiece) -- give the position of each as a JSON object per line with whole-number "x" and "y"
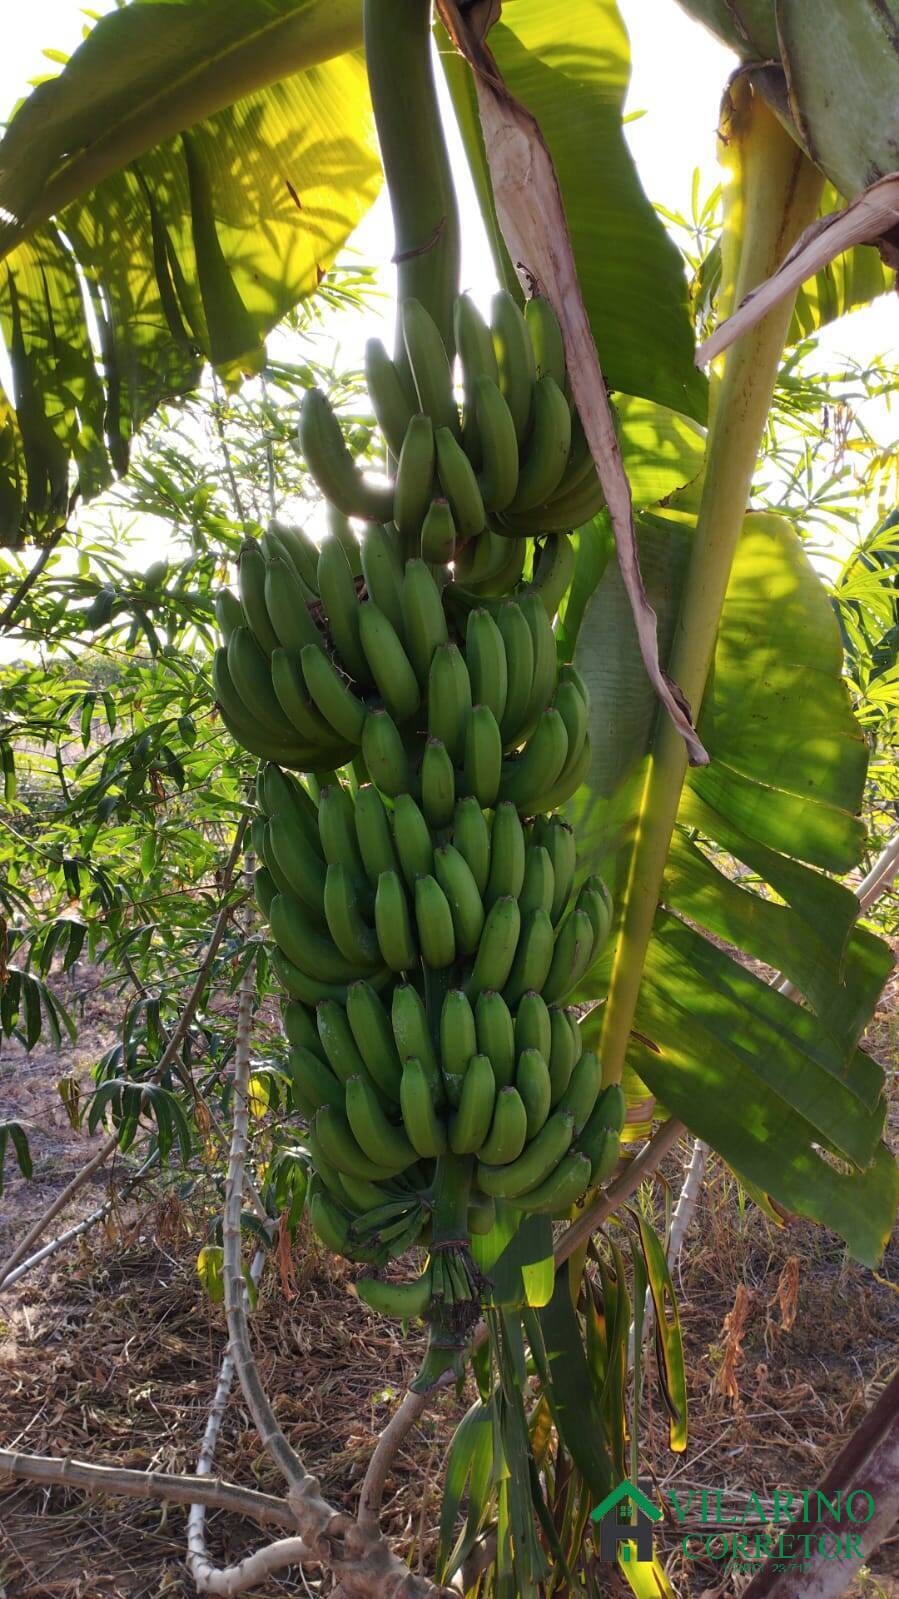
{"x": 613, "y": 1531}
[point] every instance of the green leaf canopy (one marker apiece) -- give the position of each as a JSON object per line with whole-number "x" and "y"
{"x": 186, "y": 180}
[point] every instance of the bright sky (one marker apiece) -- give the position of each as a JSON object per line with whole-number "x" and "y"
{"x": 678, "y": 73}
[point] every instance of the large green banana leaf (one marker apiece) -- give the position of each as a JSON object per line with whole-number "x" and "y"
{"x": 192, "y": 172}
{"x": 781, "y": 1090}
{"x": 570, "y": 67}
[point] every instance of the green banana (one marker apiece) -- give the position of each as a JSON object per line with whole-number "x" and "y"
{"x": 357, "y": 942}
{"x": 498, "y": 477}
{"x": 251, "y": 588}
{"x": 438, "y": 534}
{"x": 412, "y": 1035}
{"x": 471, "y": 837}
{"x": 458, "y": 1041}
{"x": 532, "y": 1082}
{"x": 507, "y": 855}
{"x": 332, "y": 696}
{"x": 293, "y": 697}
{"x": 572, "y": 775}
{"x": 559, "y": 841}
{"x": 483, "y": 759}
{"x": 229, "y": 613}
{"x": 316, "y": 1082}
{"x": 384, "y": 753}
{"x": 481, "y": 1215}
{"x": 264, "y": 888}
{"x": 560, "y": 1190}
{"x": 434, "y": 920}
{"x": 459, "y": 485}
{"x": 485, "y": 657}
{"x": 538, "y": 888}
{"x": 337, "y": 831}
{"x": 496, "y": 951}
{"x": 382, "y": 569}
{"x": 306, "y": 949}
{"x": 299, "y": 1028}
{"x": 546, "y": 339}
{"x": 390, "y": 402}
{"x": 424, "y": 1128}
{"x": 373, "y": 1035}
{"x": 514, "y": 359}
{"x": 267, "y": 746}
{"x": 296, "y": 547}
{"x": 563, "y": 1053}
{"x": 329, "y": 1223}
{"x": 297, "y": 862}
{"x": 470, "y": 1123}
{"x": 424, "y": 622}
{"x": 519, "y": 645}
{"x": 412, "y": 838}
{"x": 533, "y": 1025}
{"x": 389, "y": 663}
{"x": 455, "y": 877}
{"x": 341, "y": 1148}
{"x": 571, "y": 957}
{"x": 449, "y": 700}
{"x": 279, "y": 792}
{"x": 340, "y": 604}
{"x": 332, "y": 465}
{"x": 299, "y": 985}
{"x": 508, "y": 1131}
{"x": 595, "y": 900}
{"x": 547, "y": 452}
{"x": 533, "y": 957}
{"x": 438, "y": 785}
{"x": 600, "y": 1137}
{"x": 527, "y": 777}
{"x": 489, "y": 565}
{"x": 396, "y": 936}
{"x": 414, "y": 478}
{"x": 539, "y": 1158}
{"x": 287, "y": 607}
{"x": 477, "y": 359}
{"x": 430, "y": 366}
{"x": 282, "y": 883}
{"x": 340, "y": 527}
{"x": 251, "y": 676}
{"x": 553, "y": 571}
{"x": 496, "y": 1036}
{"x": 383, "y": 1143}
{"x": 373, "y": 834}
{"x": 562, "y": 514}
{"x": 572, "y": 708}
{"x": 545, "y": 662}
{"x": 399, "y": 1300}
{"x": 583, "y": 1088}
{"x": 337, "y": 1041}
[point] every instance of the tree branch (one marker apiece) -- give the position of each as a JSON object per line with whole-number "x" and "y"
{"x": 401, "y": 1422}
{"x": 116, "y": 1480}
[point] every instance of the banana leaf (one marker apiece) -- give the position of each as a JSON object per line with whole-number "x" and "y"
{"x": 573, "y": 78}
{"x": 782, "y": 1091}
{"x": 185, "y": 180}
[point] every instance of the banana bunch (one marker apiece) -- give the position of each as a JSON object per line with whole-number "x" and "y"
{"x": 355, "y": 892}
{"x": 485, "y": 713}
{"x": 427, "y": 966}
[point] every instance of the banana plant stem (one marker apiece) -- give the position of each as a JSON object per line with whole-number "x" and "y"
{"x": 416, "y": 162}
{"x": 779, "y": 192}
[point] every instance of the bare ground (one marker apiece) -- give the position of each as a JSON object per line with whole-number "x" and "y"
{"x": 111, "y": 1352}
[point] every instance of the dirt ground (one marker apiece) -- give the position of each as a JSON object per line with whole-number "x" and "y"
{"x": 111, "y": 1352}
